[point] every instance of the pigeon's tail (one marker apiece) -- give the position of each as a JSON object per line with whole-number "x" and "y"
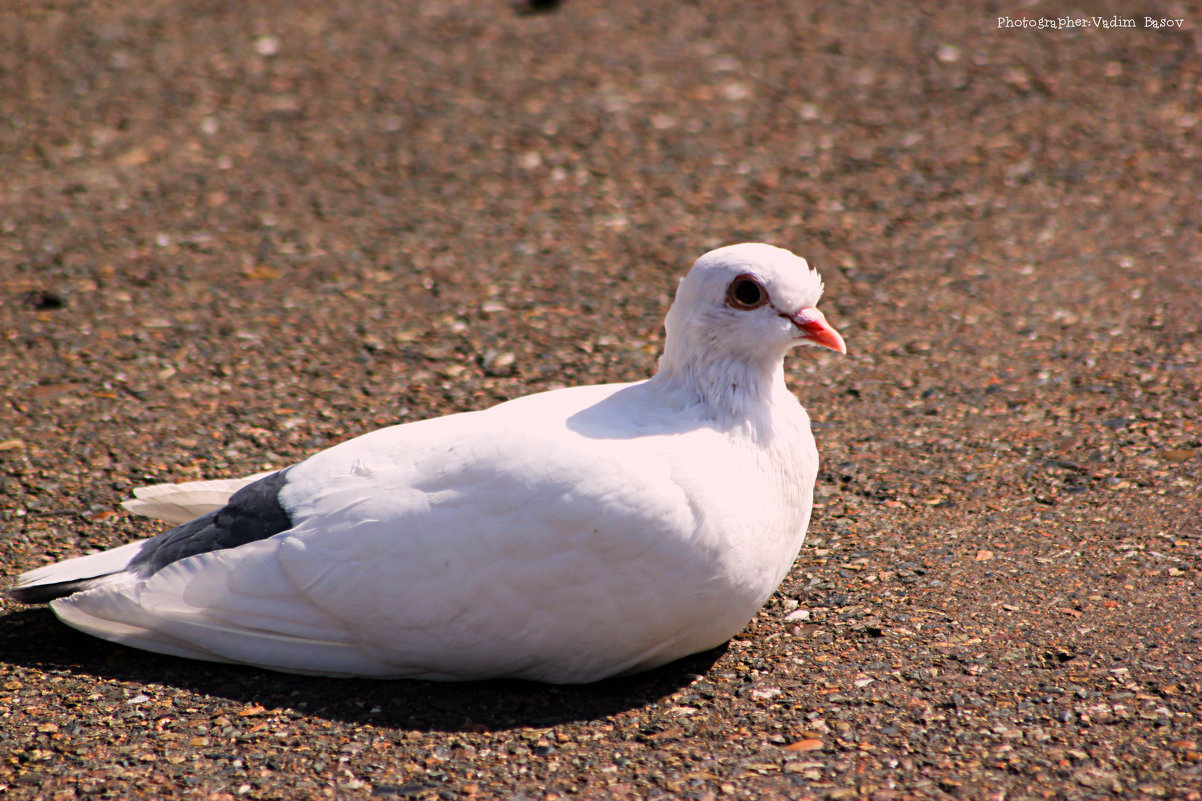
{"x": 73, "y": 575}
{"x": 180, "y": 503}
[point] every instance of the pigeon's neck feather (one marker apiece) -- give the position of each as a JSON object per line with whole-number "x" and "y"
{"x": 734, "y": 392}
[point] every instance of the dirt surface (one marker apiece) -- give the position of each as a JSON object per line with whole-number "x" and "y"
{"x": 232, "y": 234}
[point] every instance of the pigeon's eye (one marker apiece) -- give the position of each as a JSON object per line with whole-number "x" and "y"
{"x": 746, "y": 293}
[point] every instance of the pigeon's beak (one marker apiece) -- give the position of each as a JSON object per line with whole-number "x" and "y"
{"x": 813, "y": 326}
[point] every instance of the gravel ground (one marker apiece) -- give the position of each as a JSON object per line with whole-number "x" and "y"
{"x": 232, "y": 234}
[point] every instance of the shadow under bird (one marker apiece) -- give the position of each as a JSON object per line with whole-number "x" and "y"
{"x": 565, "y": 536}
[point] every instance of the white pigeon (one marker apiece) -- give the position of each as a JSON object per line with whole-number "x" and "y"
{"x": 564, "y": 537}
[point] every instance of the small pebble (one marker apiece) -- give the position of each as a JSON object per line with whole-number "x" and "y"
{"x": 267, "y": 45}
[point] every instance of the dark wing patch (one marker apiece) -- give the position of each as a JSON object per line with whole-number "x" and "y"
{"x": 252, "y": 513}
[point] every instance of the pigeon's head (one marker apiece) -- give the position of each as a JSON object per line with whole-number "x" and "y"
{"x": 746, "y": 303}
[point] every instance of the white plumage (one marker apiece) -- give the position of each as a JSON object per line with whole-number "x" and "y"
{"x": 179, "y": 503}
{"x": 565, "y": 536}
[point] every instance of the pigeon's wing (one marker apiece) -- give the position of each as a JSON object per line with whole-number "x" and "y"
{"x": 234, "y": 605}
{"x": 252, "y": 513}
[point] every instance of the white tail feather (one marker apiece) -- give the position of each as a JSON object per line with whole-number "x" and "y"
{"x": 81, "y": 567}
{"x": 179, "y": 503}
